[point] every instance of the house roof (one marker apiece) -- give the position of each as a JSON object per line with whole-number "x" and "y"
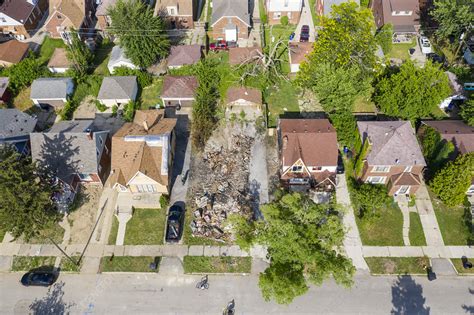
{"x": 18, "y": 10}
{"x": 73, "y": 10}
{"x": 185, "y": 7}
{"x": 278, "y": 5}
{"x": 230, "y": 8}
{"x": 401, "y": 23}
{"x": 68, "y": 148}
{"x": 239, "y": 55}
{"x": 4, "y": 81}
{"x": 391, "y": 143}
{"x": 118, "y": 55}
{"x": 184, "y": 55}
{"x": 179, "y": 86}
{"x": 59, "y": 59}
{"x": 327, "y": 5}
{"x": 299, "y": 52}
{"x": 14, "y": 123}
{"x": 405, "y": 179}
{"x": 13, "y": 51}
{"x": 456, "y": 131}
{"x": 244, "y": 93}
{"x": 103, "y": 6}
{"x": 50, "y": 88}
{"x": 118, "y": 87}
{"x": 130, "y": 157}
{"x": 312, "y": 140}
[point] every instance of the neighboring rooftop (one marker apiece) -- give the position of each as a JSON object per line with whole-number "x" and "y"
{"x": 244, "y": 93}
{"x": 461, "y": 134}
{"x": 14, "y": 123}
{"x": 300, "y": 51}
{"x": 118, "y": 87}
{"x": 391, "y": 143}
{"x": 401, "y": 23}
{"x": 103, "y": 7}
{"x": 184, "y": 55}
{"x": 155, "y": 120}
{"x": 230, "y": 8}
{"x": 73, "y": 10}
{"x": 327, "y": 5}
{"x": 18, "y": 10}
{"x": 50, "y": 88}
{"x": 312, "y": 140}
{"x": 239, "y": 55}
{"x": 185, "y": 7}
{"x": 179, "y": 86}
{"x": 13, "y": 51}
{"x": 4, "y": 81}
{"x": 288, "y": 5}
{"x": 59, "y": 59}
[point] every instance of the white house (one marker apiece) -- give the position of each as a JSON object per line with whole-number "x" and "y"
{"x": 118, "y": 59}
{"x": 118, "y": 90}
{"x": 276, "y": 9}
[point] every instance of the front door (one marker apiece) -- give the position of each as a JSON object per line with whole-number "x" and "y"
{"x": 403, "y": 190}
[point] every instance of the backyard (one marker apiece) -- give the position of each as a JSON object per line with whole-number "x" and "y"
{"x": 146, "y": 227}
{"x": 282, "y": 98}
{"x": 48, "y": 47}
{"x": 272, "y": 35}
{"x": 400, "y": 51}
{"x": 151, "y": 94}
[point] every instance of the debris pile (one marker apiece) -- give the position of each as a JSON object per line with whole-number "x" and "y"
{"x": 221, "y": 186}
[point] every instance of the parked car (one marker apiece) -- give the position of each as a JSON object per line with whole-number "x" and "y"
{"x": 425, "y": 45}
{"x": 174, "y": 225}
{"x": 304, "y": 36}
{"x": 219, "y": 45}
{"x": 38, "y": 278}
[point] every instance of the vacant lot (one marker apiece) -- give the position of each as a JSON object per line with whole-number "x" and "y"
{"x": 82, "y": 218}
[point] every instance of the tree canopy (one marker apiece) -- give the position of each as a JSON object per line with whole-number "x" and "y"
{"x": 467, "y": 112}
{"x": 79, "y": 55}
{"x": 25, "y": 206}
{"x": 453, "y": 17}
{"x": 412, "y": 92}
{"x": 304, "y": 242}
{"x": 142, "y": 35}
{"x": 24, "y": 73}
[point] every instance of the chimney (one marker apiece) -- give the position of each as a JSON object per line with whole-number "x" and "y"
{"x": 89, "y": 133}
{"x": 145, "y": 125}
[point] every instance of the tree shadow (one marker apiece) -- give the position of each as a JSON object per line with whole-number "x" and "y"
{"x": 407, "y": 297}
{"x": 469, "y": 308}
{"x": 52, "y": 303}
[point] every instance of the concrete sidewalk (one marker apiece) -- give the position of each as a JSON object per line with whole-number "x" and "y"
{"x": 418, "y": 251}
{"x": 428, "y": 217}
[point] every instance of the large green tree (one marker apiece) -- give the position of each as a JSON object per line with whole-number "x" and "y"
{"x": 304, "y": 242}
{"x": 467, "y": 112}
{"x": 24, "y": 73}
{"x": 452, "y": 181}
{"x": 412, "y": 92}
{"x": 25, "y": 204}
{"x": 79, "y": 55}
{"x": 453, "y": 17}
{"x": 142, "y": 35}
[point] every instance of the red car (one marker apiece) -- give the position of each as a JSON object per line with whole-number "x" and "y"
{"x": 220, "y": 45}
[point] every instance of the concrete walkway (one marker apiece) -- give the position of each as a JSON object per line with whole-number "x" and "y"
{"x": 428, "y": 218}
{"x": 258, "y": 175}
{"x": 305, "y": 19}
{"x": 352, "y": 241}
{"x": 402, "y": 202}
{"x": 122, "y": 218}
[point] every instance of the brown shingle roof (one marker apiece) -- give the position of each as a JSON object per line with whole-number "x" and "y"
{"x": 59, "y": 59}
{"x": 185, "y": 7}
{"x": 13, "y": 51}
{"x": 461, "y": 134}
{"x": 312, "y": 140}
{"x": 239, "y": 55}
{"x": 73, "y": 11}
{"x": 179, "y": 86}
{"x": 299, "y": 52}
{"x": 18, "y": 10}
{"x": 245, "y": 93}
{"x": 405, "y": 178}
{"x": 402, "y": 23}
{"x": 184, "y": 55}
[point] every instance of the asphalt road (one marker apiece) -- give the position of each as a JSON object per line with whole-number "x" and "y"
{"x": 146, "y": 294}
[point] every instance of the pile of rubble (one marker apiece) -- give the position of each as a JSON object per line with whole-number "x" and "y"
{"x": 222, "y": 186}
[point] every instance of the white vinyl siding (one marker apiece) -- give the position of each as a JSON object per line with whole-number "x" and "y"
{"x": 376, "y": 179}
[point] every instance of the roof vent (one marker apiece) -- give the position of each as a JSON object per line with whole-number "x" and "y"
{"x": 397, "y": 161}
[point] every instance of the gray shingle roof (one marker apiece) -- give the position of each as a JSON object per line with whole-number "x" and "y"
{"x": 184, "y": 55}
{"x": 14, "y": 123}
{"x": 391, "y": 143}
{"x": 223, "y": 8}
{"x": 50, "y": 88}
{"x": 117, "y": 55}
{"x": 3, "y": 84}
{"x": 118, "y": 88}
{"x": 67, "y": 148}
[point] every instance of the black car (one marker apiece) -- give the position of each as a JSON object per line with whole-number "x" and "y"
{"x": 38, "y": 278}
{"x": 304, "y": 36}
{"x": 174, "y": 226}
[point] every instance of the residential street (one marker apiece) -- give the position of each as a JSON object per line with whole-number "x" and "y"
{"x": 146, "y": 294}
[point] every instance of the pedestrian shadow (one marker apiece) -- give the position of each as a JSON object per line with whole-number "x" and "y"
{"x": 52, "y": 303}
{"x": 469, "y": 308}
{"x": 407, "y": 297}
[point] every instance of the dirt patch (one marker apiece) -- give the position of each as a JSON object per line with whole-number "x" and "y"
{"x": 389, "y": 266}
{"x": 82, "y": 217}
{"x": 87, "y": 109}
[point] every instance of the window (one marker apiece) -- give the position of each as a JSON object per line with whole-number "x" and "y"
{"x": 297, "y": 168}
{"x": 408, "y": 169}
{"x": 4, "y": 20}
{"x": 150, "y": 188}
{"x": 402, "y": 13}
{"x": 97, "y": 152}
{"x": 101, "y": 141}
{"x": 376, "y": 179}
{"x": 276, "y": 15}
{"x": 317, "y": 168}
{"x": 381, "y": 169}
{"x": 85, "y": 177}
{"x": 139, "y": 188}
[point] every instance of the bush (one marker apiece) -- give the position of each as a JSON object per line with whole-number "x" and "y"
{"x": 67, "y": 111}
{"x": 284, "y": 20}
{"x": 384, "y": 38}
{"x": 100, "y": 107}
{"x": 114, "y": 110}
{"x": 368, "y": 198}
{"x": 164, "y": 201}
{"x": 24, "y": 73}
{"x": 144, "y": 78}
{"x": 129, "y": 111}
{"x": 467, "y": 112}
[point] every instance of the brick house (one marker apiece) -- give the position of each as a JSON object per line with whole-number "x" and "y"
{"x": 308, "y": 154}
{"x": 276, "y": 9}
{"x": 230, "y": 20}
{"x": 179, "y": 13}
{"x": 103, "y": 18}
{"x": 21, "y": 18}
{"x": 393, "y": 158}
{"x": 404, "y": 15}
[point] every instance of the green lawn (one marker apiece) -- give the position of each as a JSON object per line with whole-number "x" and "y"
{"x": 67, "y": 265}
{"x": 26, "y": 263}
{"x": 272, "y": 35}
{"x": 151, "y": 94}
{"x": 146, "y": 227}
{"x": 280, "y": 99}
{"x": 22, "y": 101}
{"x": 312, "y": 6}
{"x": 384, "y": 230}
{"x": 48, "y": 47}
{"x": 397, "y": 265}
{"x": 55, "y": 232}
{"x": 457, "y": 262}
{"x": 128, "y": 264}
{"x": 201, "y": 264}
{"x": 454, "y": 222}
{"x": 113, "y": 231}
{"x": 362, "y": 105}
{"x": 101, "y": 58}
{"x": 416, "y": 235}
{"x": 400, "y": 51}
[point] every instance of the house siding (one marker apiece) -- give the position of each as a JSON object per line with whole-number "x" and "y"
{"x": 293, "y": 17}
{"x": 218, "y": 29}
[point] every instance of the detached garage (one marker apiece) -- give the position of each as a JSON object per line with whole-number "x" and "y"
{"x": 118, "y": 90}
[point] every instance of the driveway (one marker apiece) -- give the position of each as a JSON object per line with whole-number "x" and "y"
{"x": 305, "y": 19}
{"x": 258, "y": 175}
{"x": 181, "y": 161}
{"x": 418, "y": 57}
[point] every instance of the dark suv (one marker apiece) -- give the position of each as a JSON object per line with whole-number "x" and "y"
{"x": 174, "y": 225}
{"x": 304, "y": 36}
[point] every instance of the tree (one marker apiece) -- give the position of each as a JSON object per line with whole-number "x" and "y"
{"x": 467, "y": 112}
{"x": 142, "y": 35}
{"x": 24, "y": 73}
{"x": 284, "y": 20}
{"x": 346, "y": 38}
{"x": 205, "y": 104}
{"x": 304, "y": 242}
{"x": 384, "y": 37}
{"x": 144, "y": 78}
{"x": 25, "y": 206}
{"x": 79, "y": 55}
{"x": 452, "y": 181}
{"x": 368, "y": 198}
{"x": 412, "y": 92}
{"x": 453, "y": 17}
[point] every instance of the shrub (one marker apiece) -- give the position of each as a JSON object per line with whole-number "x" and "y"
{"x": 114, "y": 110}
{"x": 67, "y": 111}
{"x": 284, "y": 20}
{"x": 144, "y": 79}
{"x": 164, "y": 201}
{"x": 368, "y": 198}
{"x": 24, "y": 73}
{"x": 101, "y": 107}
{"x": 384, "y": 38}
{"x": 129, "y": 111}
